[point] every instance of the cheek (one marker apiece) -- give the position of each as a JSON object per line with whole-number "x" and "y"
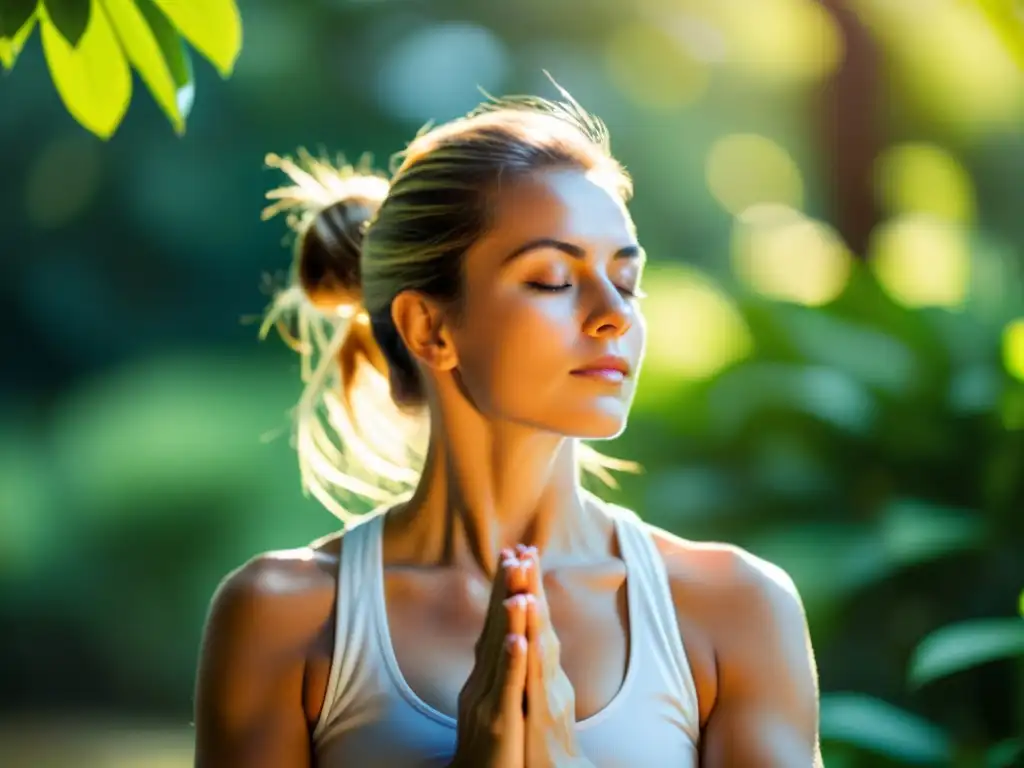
{"x": 516, "y": 344}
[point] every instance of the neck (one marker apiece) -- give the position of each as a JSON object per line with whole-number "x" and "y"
{"x": 488, "y": 488}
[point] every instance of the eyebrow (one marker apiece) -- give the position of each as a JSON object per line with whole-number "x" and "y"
{"x": 632, "y": 251}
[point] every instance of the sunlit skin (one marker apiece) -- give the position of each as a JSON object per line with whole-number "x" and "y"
{"x": 544, "y": 348}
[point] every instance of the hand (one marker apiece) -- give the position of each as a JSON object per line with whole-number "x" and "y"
{"x": 550, "y": 699}
{"x": 491, "y": 722}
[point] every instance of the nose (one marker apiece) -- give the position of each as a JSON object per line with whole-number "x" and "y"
{"x": 610, "y": 316}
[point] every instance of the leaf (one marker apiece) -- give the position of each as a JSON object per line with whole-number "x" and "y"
{"x": 915, "y": 531}
{"x": 15, "y": 14}
{"x": 213, "y": 27}
{"x": 1020, "y": 603}
{"x": 879, "y": 727}
{"x": 157, "y": 51}
{"x": 964, "y": 645}
{"x": 93, "y": 79}
{"x": 1005, "y": 754}
{"x": 10, "y": 47}
{"x": 70, "y": 17}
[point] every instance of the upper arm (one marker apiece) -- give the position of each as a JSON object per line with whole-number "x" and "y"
{"x": 766, "y": 710}
{"x": 249, "y": 690}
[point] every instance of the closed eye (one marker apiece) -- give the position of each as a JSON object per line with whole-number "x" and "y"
{"x": 549, "y": 287}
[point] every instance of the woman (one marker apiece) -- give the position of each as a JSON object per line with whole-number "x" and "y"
{"x": 497, "y": 615}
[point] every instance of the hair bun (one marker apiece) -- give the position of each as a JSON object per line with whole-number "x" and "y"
{"x": 331, "y": 206}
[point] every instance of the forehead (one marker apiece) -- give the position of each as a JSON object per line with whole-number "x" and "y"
{"x": 568, "y": 204}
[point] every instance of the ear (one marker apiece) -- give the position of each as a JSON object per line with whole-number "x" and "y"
{"x": 422, "y": 324}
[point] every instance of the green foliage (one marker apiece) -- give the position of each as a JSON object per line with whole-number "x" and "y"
{"x": 961, "y": 646}
{"x": 14, "y": 14}
{"x": 91, "y": 46}
{"x": 17, "y": 20}
{"x": 70, "y": 17}
{"x": 882, "y": 729}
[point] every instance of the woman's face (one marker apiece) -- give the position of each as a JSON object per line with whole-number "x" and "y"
{"x": 551, "y": 334}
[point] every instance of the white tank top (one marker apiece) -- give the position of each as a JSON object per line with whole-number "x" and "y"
{"x": 371, "y": 718}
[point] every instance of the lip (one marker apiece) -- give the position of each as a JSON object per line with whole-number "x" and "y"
{"x": 607, "y": 368}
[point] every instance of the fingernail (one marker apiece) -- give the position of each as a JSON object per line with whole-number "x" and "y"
{"x": 515, "y": 643}
{"x": 519, "y": 601}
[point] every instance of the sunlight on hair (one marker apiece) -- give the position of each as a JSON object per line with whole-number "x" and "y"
{"x": 924, "y": 178}
{"x": 694, "y": 328}
{"x": 355, "y": 445}
{"x": 318, "y": 182}
{"x": 784, "y": 255}
{"x": 654, "y": 68}
{"x": 1013, "y": 348}
{"x": 336, "y": 459}
{"x": 745, "y": 169}
{"x": 921, "y": 261}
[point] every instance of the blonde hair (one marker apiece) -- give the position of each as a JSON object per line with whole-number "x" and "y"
{"x": 360, "y": 424}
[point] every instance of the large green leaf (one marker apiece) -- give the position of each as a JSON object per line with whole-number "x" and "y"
{"x": 70, "y": 17}
{"x": 93, "y": 78}
{"x": 877, "y": 726}
{"x": 214, "y": 27}
{"x": 10, "y": 47}
{"x": 961, "y": 646}
{"x": 157, "y": 51}
{"x": 14, "y": 14}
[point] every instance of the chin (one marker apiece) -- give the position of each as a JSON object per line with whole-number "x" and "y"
{"x": 596, "y": 423}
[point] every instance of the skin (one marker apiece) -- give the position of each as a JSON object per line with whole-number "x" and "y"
{"x": 501, "y": 471}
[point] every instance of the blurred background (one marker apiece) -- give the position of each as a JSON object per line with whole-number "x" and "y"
{"x": 832, "y": 197}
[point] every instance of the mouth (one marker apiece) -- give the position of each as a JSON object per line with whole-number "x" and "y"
{"x": 613, "y": 370}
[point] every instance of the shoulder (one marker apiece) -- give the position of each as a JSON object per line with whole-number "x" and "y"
{"x": 267, "y": 620}
{"x": 742, "y": 589}
{"x": 283, "y": 591}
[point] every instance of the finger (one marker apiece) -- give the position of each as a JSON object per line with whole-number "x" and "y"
{"x": 535, "y": 649}
{"x": 535, "y": 586}
{"x": 512, "y": 676}
{"x": 516, "y": 609}
{"x": 495, "y": 614}
{"x": 518, "y": 575}
{"x": 514, "y": 624}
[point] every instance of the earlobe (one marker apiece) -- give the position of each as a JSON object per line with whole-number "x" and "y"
{"x": 422, "y": 325}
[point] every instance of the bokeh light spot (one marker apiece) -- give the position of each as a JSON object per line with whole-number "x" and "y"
{"x": 434, "y": 73}
{"x": 654, "y": 68}
{"x": 784, "y": 255}
{"x": 745, "y": 169}
{"x": 1013, "y": 348}
{"x": 922, "y": 261}
{"x": 695, "y": 330}
{"x": 781, "y": 42}
{"x": 924, "y": 178}
{"x": 947, "y": 62}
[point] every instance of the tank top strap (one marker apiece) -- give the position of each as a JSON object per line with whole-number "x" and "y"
{"x": 658, "y": 632}
{"x": 356, "y": 633}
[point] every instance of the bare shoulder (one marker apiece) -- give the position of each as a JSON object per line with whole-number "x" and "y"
{"x": 741, "y": 620}
{"x": 265, "y": 648}
{"x": 282, "y": 593}
{"x": 743, "y": 589}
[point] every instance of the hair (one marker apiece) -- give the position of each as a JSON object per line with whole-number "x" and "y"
{"x": 361, "y": 240}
